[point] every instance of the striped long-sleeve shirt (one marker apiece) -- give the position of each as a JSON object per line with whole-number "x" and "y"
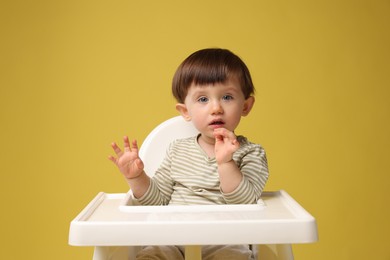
{"x": 187, "y": 176}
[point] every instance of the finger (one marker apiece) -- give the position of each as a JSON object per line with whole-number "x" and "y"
{"x": 140, "y": 164}
{"x": 221, "y": 131}
{"x": 126, "y": 143}
{"x": 116, "y": 149}
{"x": 224, "y": 133}
{"x": 218, "y": 132}
{"x": 226, "y": 136}
{"x": 134, "y": 146}
{"x": 112, "y": 158}
{"x": 218, "y": 137}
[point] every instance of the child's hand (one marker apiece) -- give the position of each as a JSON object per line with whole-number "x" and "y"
{"x": 128, "y": 161}
{"x": 225, "y": 145}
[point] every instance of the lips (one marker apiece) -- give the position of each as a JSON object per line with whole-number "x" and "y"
{"x": 217, "y": 123}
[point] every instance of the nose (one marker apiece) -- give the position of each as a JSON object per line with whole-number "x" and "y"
{"x": 216, "y": 108}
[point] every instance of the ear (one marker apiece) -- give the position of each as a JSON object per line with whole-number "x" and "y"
{"x": 248, "y": 104}
{"x": 182, "y": 108}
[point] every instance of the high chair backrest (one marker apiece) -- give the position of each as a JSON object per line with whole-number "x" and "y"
{"x": 156, "y": 143}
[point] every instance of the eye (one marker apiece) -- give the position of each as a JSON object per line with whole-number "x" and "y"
{"x": 203, "y": 99}
{"x": 227, "y": 97}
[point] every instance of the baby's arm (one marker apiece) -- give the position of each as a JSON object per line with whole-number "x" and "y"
{"x": 131, "y": 166}
{"x": 226, "y": 144}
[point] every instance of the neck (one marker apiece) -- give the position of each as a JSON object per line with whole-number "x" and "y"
{"x": 207, "y": 144}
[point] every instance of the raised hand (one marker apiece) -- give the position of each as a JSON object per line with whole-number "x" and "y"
{"x": 127, "y": 161}
{"x": 225, "y": 145}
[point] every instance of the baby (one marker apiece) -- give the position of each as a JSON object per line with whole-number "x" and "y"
{"x": 214, "y": 89}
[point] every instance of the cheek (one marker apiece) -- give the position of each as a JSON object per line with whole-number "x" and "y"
{"x": 235, "y": 110}
{"x": 197, "y": 119}
{"x": 195, "y": 111}
{"x": 235, "y": 116}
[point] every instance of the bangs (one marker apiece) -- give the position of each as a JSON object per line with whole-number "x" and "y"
{"x": 207, "y": 73}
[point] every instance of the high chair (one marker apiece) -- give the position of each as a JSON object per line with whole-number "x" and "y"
{"x": 117, "y": 227}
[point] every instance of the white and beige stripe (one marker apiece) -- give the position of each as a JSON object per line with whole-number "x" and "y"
{"x": 188, "y": 177}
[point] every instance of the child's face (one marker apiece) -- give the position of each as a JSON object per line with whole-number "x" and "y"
{"x": 214, "y": 106}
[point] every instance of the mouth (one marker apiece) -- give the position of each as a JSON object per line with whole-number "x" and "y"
{"x": 217, "y": 123}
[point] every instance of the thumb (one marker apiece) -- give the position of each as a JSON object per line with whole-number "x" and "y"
{"x": 139, "y": 164}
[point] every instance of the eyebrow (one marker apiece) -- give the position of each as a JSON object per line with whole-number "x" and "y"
{"x": 199, "y": 90}
{"x": 233, "y": 89}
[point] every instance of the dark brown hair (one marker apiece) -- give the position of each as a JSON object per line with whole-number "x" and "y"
{"x": 210, "y": 66}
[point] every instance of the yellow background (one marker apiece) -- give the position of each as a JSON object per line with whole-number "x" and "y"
{"x": 77, "y": 75}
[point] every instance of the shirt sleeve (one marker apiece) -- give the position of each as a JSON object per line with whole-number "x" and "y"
{"x": 161, "y": 184}
{"x": 252, "y": 162}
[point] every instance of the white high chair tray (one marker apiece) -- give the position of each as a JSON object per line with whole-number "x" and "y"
{"x": 280, "y": 220}
{"x": 128, "y": 205}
